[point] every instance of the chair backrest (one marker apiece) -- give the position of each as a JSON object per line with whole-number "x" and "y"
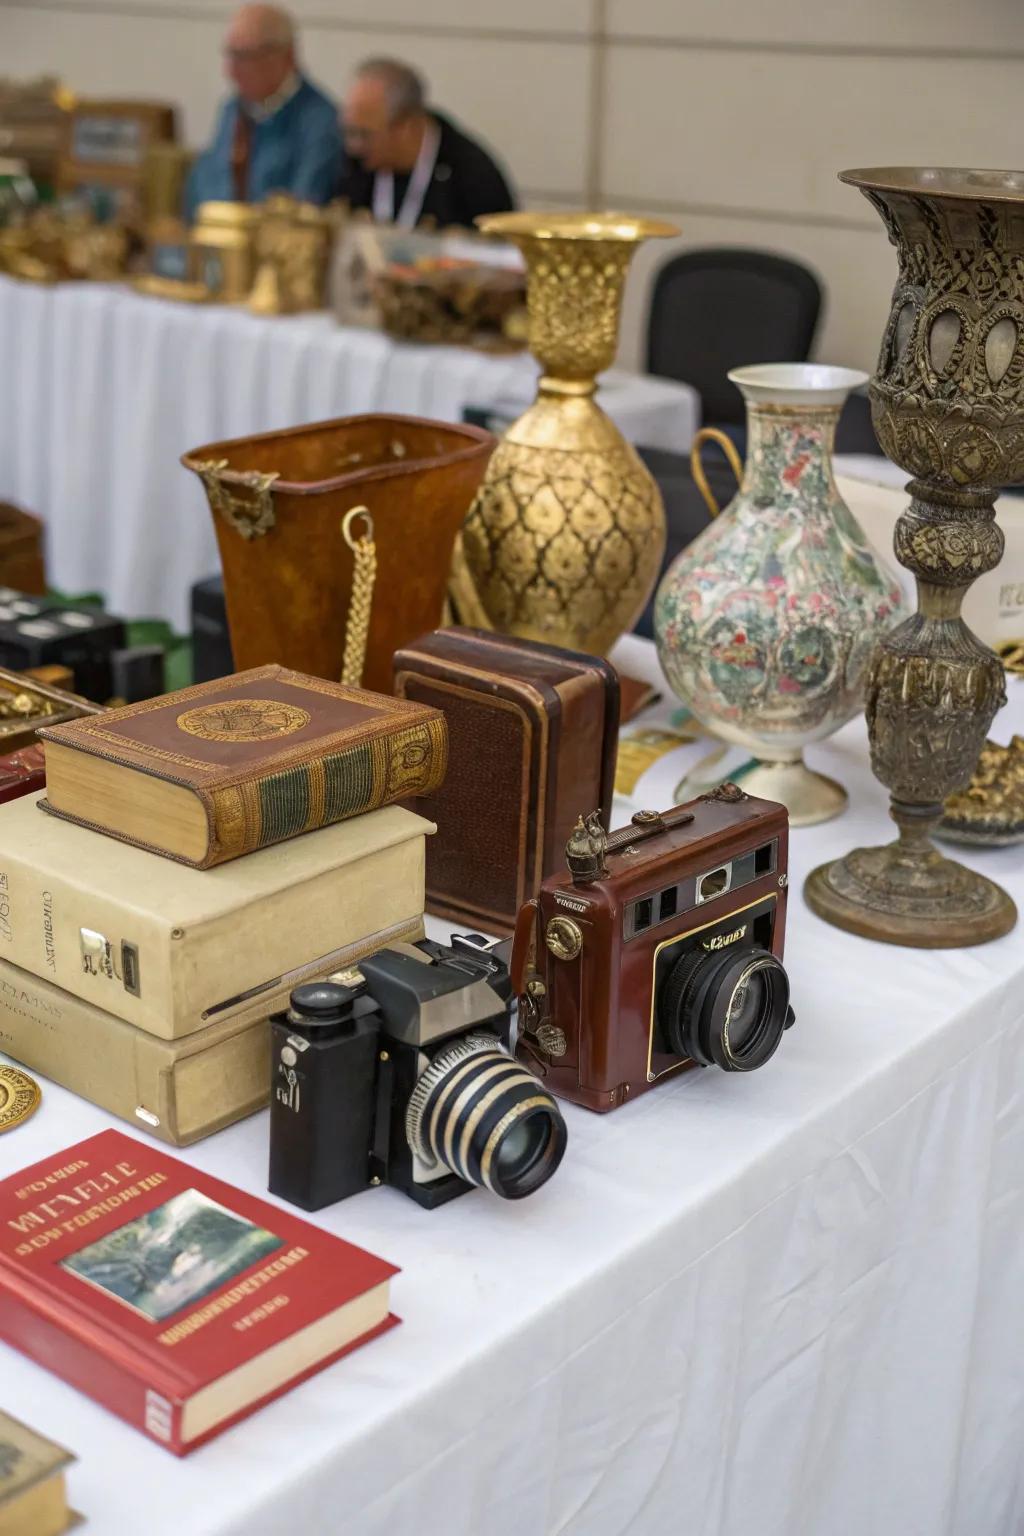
{"x": 718, "y": 308}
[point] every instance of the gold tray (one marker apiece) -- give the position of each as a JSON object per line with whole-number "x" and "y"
{"x": 45, "y": 706}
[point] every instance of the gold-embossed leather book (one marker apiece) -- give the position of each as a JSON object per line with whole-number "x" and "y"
{"x": 216, "y": 771}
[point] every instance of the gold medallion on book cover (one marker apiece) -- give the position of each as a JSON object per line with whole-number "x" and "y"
{"x": 19, "y": 1097}
{"x": 243, "y": 720}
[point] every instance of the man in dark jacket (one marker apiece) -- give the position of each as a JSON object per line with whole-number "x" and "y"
{"x": 277, "y": 132}
{"x": 406, "y": 162}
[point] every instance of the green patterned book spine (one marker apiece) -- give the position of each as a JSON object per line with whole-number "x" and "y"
{"x": 362, "y": 777}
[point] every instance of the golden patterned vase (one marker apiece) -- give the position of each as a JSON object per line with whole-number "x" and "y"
{"x": 564, "y": 540}
{"x": 948, "y": 406}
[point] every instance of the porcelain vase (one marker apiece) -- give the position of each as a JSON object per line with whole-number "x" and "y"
{"x": 766, "y": 622}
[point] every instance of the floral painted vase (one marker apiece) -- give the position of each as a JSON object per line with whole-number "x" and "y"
{"x": 766, "y": 622}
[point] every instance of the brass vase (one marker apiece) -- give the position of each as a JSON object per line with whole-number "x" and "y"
{"x": 948, "y": 406}
{"x": 564, "y": 540}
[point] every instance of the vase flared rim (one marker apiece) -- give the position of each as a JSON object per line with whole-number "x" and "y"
{"x": 575, "y": 226}
{"x": 957, "y": 184}
{"x": 797, "y": 383}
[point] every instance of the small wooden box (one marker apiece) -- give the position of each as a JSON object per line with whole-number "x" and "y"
{"x": 21, "y": 551}
{"x": 107, "y": 144}
{"x": 533, "y": 735}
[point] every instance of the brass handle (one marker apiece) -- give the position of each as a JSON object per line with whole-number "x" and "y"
{"x": 700, "y": 479}
{"x": 250, "y": 518}
{"x": 364, "y": 574}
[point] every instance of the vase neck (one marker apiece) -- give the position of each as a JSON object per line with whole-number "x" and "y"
{"x": 574, "y": 294}
{"x": 785, "y": 443}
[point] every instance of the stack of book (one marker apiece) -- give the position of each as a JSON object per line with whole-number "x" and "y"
{"x": 203, "y": 853}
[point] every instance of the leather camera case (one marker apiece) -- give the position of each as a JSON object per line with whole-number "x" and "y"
{"x": 533, "y": 733}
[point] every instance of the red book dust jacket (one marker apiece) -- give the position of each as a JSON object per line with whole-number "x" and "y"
{"x": 173, "y": 1299}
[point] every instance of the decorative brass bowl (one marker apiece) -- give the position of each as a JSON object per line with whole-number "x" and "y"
{"x": 990, "y": 811}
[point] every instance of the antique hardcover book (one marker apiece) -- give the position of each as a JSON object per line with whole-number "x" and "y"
{"x": 20, "y": 774}
{"x": 173, "y": 1299}
{"x": 33, "y": 1498}
{"x": 171, "y": 949}
{"x": 533, "y": 732}
{"x": 176, "y": 1090}
{"x": 212, "y": 772}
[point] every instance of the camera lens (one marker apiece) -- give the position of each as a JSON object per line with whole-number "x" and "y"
{"x": 477, "y": 1113}
{"x": 725, "y": 1010}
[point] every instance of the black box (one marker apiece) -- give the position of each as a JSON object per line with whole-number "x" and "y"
{"x": 211, "y": 640}
{"x": 77, "y": 637}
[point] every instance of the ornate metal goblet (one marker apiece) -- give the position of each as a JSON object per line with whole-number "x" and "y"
{"x": 948, "y": 406}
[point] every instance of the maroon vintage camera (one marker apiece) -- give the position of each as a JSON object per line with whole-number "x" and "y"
{"x": 659, "y": 949}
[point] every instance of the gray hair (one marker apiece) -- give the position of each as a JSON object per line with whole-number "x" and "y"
{"x": 404, "y": 89}
{"x": 271, "y": 24}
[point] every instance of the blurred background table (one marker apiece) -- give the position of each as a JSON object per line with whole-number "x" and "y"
{"x": 785, "y": 1302}
{"x": 103, "y": 389}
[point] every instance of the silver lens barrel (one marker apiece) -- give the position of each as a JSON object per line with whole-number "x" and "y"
{"x": 476, "y": 1112}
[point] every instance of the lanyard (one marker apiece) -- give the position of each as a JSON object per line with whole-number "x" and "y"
{"x": 415, "y": 192}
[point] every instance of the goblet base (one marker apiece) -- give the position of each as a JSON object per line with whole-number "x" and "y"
{"x": 909, "y": 894}
{"x": 808, "y": 796}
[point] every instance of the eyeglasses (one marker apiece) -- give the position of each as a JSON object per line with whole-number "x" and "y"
{"x": 250, "y": 55}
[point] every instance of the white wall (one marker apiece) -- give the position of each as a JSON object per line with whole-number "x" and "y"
{"x": 731, "y": 118}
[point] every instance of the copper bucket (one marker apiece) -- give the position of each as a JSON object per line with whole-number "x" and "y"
{"x": 278, "y": 501}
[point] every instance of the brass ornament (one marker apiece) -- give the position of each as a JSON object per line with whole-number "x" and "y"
{"x": 948, "y": 406}
{"x": 563, "y": 938}
{"x": 250, "y": 517}
{"x": 990, "y": 811}
{"x": 243, "y": 720}
{"x": 551, "y": 1040}
{"x": 292, "y": 245}
{"x": 20, "y": 1097}
{"x": 563, "y": 542}
{"x": 51, "y": 245}
{"x": 1011, "y": 654}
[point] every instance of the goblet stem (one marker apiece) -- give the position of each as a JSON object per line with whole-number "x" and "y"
{"x": 932, "y": 692}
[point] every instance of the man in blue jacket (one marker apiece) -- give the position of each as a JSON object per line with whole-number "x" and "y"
{"x": 278, "y": 133}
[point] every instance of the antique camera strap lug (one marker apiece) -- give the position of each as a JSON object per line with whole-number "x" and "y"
{"x": 380, "y": 1152}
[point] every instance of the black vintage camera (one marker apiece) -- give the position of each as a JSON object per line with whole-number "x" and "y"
{"x": 400, "y": 1073}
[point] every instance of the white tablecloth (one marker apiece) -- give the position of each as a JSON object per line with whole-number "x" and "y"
{"x": 782, "y": 1304}
{"x": 101, "y": 391}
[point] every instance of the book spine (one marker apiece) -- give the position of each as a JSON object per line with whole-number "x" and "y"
{"x": 96, "y": 947}
{"x": 52, "y": 1337}
{"x": 370, "y": 774}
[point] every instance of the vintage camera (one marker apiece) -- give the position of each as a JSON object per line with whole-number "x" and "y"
{"x": 400, "y": 1073}
{"x": 660, "y": 949}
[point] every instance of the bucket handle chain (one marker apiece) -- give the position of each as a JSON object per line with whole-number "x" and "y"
{"x": 364, "y": 573}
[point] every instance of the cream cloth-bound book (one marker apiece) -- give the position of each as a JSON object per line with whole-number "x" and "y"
{"x": 171, "y": 949}
{"x": 177, "y": 1090}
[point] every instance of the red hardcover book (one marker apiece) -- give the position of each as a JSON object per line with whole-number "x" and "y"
{"x": 22, "y": 773}
{"x": 173, "y": 1299}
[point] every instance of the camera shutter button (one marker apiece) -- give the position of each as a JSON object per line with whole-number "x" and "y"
{"x": 564, "y": 938}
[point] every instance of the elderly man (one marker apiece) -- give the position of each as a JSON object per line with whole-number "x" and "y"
{"x": 408, "y": 163}
{"x": 278, "y": 133}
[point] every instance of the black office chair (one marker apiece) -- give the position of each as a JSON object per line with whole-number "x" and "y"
{"x": 716, "y": 309}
